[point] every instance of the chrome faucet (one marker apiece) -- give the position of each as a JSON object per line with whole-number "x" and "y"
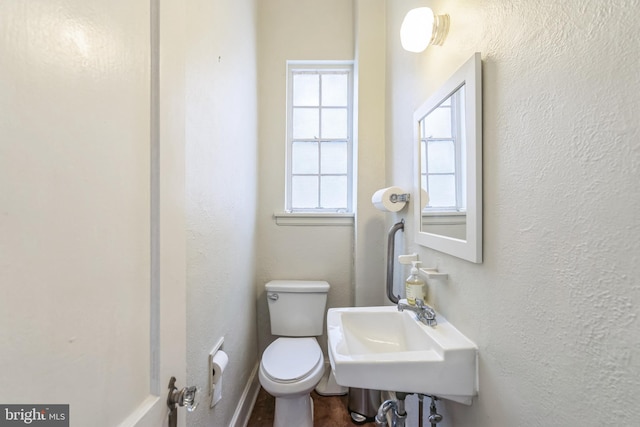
{"x": 424, "y": 312}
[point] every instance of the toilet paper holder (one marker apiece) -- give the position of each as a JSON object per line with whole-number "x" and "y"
{"x": 399, "y": 198}
{"x": 390, "y": 199}
{"x": 214, "y": 389}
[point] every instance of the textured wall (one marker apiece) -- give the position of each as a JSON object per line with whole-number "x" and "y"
{"x": 554, "y": 306}
{"x": 221, "y": 196}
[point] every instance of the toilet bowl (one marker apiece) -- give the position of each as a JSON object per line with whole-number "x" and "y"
{"x": 290, "y": 368}
{"x": 293, "y": 364}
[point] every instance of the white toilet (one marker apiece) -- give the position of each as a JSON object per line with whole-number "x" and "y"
{"x": 293, "y": 364}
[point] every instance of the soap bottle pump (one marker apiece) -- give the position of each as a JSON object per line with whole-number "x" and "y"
{"x": 414, "y": 285}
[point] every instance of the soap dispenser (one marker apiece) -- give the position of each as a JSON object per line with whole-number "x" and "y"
{"x": 414, "y": 285}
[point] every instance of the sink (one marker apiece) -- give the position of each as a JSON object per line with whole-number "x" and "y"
{"x": 382, "y": 348}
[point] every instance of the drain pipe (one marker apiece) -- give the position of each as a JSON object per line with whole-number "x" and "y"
{"x": 391, "y": 240}
{"x": 401, "y": 413}
{"x": 420, "y": 409}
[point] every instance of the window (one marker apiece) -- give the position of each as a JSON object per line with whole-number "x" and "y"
{"x": 442, "y": 143}
{"x": 319, "y": 137}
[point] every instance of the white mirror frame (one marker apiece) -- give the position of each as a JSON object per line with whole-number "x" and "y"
{"x": 469, "y": 75}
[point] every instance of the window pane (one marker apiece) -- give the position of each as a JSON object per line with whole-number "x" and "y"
{"x": 333, "y": 157}
{"x": 423, "y": 157}
{"x": 318, "y": 138}
{"x": 306, "y": 123}
{"x": 304, "y": 192}
{"x": 334, "y": 123}
{"x": 442, "y": 190}
{"x": 335, "y": 90}
{"x": 306, "y": 90}
{"x": 441, "y": 156}
{"x": 437, "y": 124}
{"x": 304, "y": 157}
{"x": 333, "y": 193}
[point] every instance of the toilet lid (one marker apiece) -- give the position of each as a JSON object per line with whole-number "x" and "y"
{"x": 291, "y": 359}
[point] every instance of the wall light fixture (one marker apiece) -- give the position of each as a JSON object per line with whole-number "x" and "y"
{"x": 421, "y": 27}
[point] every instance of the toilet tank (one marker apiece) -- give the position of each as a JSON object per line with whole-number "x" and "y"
{"x": 297, "y": 307}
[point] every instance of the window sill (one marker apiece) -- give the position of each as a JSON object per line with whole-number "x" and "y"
{"x": 444, "y": 212}
{"x": 313, "y": 218}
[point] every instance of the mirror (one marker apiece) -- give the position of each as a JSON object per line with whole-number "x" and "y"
{"x": 448, "y": 165}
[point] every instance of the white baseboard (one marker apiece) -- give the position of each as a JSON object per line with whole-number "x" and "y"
{"x": 247, "y": 400}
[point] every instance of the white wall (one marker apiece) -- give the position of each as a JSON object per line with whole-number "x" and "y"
{"x": 370, "y": 234}
{"x": 82, "y": 136}
{"x": 221, "y": 164}
{"x": 295, "y": 30}
{"x": 554, "y": 306}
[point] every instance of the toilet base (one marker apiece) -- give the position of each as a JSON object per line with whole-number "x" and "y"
{"x": 328, "y": 385}
{"x": 294, "y": 411}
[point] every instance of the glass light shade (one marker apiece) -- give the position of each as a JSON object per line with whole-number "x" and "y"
{"x": 416, "y": 29}
{"x": 421, "y": 27}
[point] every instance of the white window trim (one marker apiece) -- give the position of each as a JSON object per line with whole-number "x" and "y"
{"x": 312, "y": 216}
{"x": 457, "y": 139}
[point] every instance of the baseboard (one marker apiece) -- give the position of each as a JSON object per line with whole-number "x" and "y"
{"x": 247, "y": 400}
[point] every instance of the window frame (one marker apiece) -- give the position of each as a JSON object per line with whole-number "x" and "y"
{"x": 457, "y": 138}
{"x": 320, "y": 67}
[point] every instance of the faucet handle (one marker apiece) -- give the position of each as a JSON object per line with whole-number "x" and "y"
{"x": 426, "y": 315}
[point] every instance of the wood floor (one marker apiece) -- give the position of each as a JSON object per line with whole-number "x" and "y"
{"x": 328, "y": 411}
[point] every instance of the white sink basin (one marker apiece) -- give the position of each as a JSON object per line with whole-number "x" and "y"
{"x": 384, "y": 349}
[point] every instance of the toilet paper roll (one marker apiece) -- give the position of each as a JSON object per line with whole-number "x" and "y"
{"x": 424, "y": 199}
{"x": 381, "y": 199}
{"x": 218, "y": 365}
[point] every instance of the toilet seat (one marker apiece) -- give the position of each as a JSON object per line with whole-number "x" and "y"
{"x": 289, "y": 360}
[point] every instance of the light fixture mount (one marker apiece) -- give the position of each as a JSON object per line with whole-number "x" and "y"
{"x": 440, "y": 29}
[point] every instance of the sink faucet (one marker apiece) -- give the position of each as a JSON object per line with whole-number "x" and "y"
{"x": 423, "y": 312}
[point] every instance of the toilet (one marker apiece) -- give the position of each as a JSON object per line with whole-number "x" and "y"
{"x": 293, "y": 364}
